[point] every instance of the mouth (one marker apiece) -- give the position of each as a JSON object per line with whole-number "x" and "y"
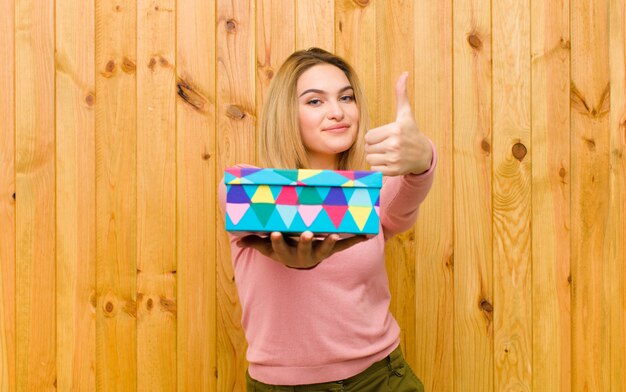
{"x": 338, "y": 128}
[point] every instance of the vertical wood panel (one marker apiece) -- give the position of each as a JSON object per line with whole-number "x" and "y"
{"x": 35, "y": 196}
{"x": 435, "y": 228}
{"x": 473, "y": 258}
{"x": 275, "y": 37}
{"x": 615, "y": 245}
{"x": 75, "y": 193}
{"x": 7, "y": 201}
{"x": 551, "y": 350}
{"x": 395, "y": 26}
{"x": 116, "y": 196}
{"x": 156, "y": 196}
{"x": 356, "y": 41}
{"x": 590, "y": 187}
{"x": 235, "y": 94}
{"x": 315, "y": 24}
{"x": 196, "y": 201}
{"x": 512, "y": 196}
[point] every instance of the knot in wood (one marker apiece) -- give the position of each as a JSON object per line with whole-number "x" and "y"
{"x": 110, "y": 67}
{"x": 475, "y": 41}
{"x": 231, "y": 25}
{"x": 108, "y": 307}
{"x": 486, "y": 147}
{"x": 149, "y": 304}
{"x": 519, "y": 151}
{"x": 486, "y": 306}
{"x": 235, "y": 112}
{"x": 128, "y": 66}
{"x": 89, "y": 99}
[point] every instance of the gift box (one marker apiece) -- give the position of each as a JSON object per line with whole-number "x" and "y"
{"x": 292, "y": 201}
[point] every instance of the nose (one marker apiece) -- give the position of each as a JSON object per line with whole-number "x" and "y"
{"x": 335, "y": 112}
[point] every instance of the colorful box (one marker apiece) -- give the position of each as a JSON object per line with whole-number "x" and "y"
{"x": 293, "y": 201}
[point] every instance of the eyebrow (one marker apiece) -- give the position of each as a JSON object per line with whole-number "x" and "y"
{"x": 314, "y": 90}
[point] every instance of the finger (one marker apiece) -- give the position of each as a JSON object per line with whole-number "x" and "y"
{"x": 326, "y": 247}
{"x": 348, "y": 242}
{"x": 263, "y": 245}
{"x": 279, "y": 245}
{"x": 305, "y": 245}
{"x": 377, "y": 135}
{"x": 376, "y": 160}
{"x": 387, "y": 171}
{"x": 403, "y": 106}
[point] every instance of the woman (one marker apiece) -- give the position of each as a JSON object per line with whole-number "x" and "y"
{"x": 316, "y": 312}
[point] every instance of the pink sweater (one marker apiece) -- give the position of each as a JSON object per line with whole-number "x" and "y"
{"x": 333, "y": 321}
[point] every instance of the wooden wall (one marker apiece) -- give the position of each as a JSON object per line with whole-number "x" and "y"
{"x": 117, "y": 118}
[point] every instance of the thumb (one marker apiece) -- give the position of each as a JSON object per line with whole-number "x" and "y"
{"x": 403, "y": 105}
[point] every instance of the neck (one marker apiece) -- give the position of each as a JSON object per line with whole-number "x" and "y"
{"x": 323, "y": 162}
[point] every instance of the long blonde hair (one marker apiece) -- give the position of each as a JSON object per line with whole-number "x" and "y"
{"x": 280, "y": 143}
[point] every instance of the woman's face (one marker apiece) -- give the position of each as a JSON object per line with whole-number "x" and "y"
{"x": 327, "y": 113}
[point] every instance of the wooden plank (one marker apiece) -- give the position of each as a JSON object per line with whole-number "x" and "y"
{"x": 75, "y": 195}
{"x": 435, "y": 226}
{"x": 473, "y": 258}
{"x": 7, "y": 199}
{"x": 512, "y": 180}
{"x": 116, "y": 194}
{"x": 356, "y": 41}
{"x": 156, "y": 196}
{"x": 196, "y": 201}
{"x": 275, "y": 37}
{"x": 315, "y": 22}
{"x": 590, "y": 186}
{"x": 614, "y": 339}
{"x": 35, "y": 294}
{"x": 395, "y": 26}
{"x": 236, "y": 118}
{"x": 551, "y": 346}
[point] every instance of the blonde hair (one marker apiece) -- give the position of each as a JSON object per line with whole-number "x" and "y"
{"x": 280, "y": 143}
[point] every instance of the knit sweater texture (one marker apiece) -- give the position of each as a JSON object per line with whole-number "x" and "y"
{"x": 333, "y": 321}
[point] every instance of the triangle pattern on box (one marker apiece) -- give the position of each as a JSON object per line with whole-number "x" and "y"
{"x": 321, "y": 201}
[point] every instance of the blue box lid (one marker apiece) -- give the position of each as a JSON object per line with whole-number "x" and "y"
{"x": 303, "y": 177}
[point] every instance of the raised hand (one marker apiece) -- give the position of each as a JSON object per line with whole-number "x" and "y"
{"x": 399, "y": 147}
{"x": 303, "y": 254}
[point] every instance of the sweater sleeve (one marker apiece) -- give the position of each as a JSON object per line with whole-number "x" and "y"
{"x": 401, "y": 197}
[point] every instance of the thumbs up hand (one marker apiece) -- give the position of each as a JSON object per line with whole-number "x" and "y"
{"x": 399, "y": 147}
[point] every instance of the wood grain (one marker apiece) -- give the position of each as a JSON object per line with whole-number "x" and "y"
{"x": 196, "y": 201}
{"x": 473, "y": 254}
{"x": 356, "y": 41}
{"x": 35, "y": 270}
{"x": 512, "y": 155}
{"x": 395, "y": 26}
{"x": 434, "y": 238}
{"x": 76, "y": 196}
{"x": 156, "y": 196}
{"x": 589, "y": 108}
{"x": 235, "y": 88}
{"x": 7, "y": 201}
{"x": 315, "y": 20}
{"x": 614, "y": 337}
{"x": 116, "y": 196}
{"x": 275, "y": 41}
{"x": 550, "y": 55}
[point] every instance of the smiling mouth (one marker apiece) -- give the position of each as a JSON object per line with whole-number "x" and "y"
{"x": 337, "y": 128}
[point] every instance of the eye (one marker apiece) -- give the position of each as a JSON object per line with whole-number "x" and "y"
{"x": 347, "y": 98}
{"x": 314, "y": 102}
